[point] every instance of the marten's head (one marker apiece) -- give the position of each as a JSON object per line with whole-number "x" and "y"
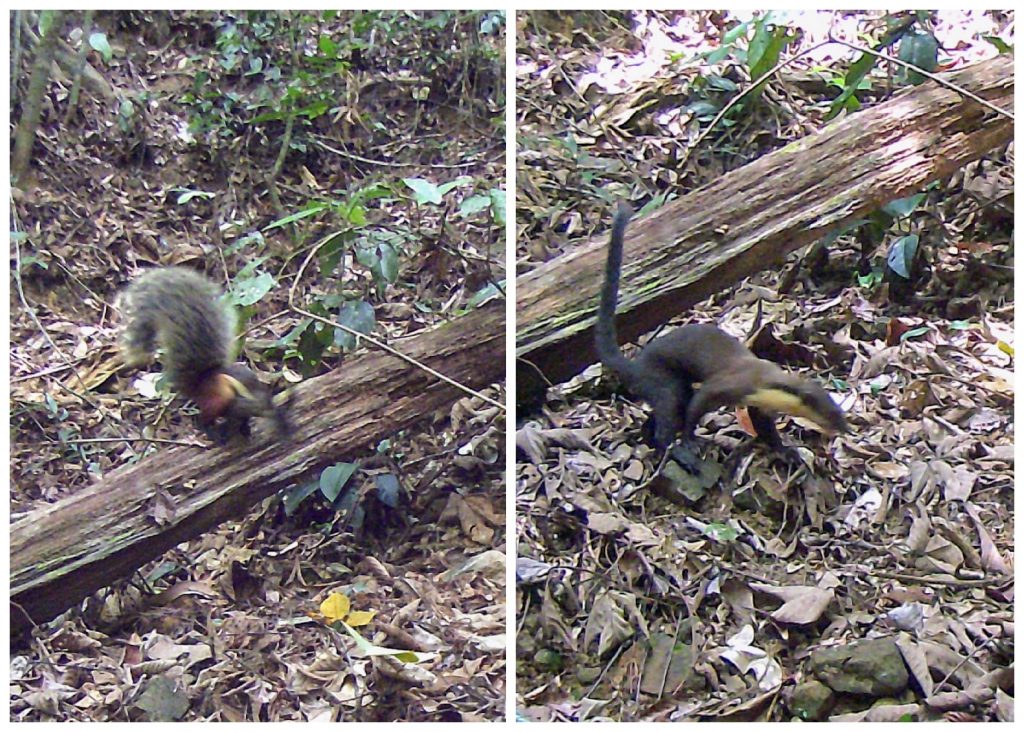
{"x": 214, "y": 395}
{"x": 233, "y": 395}
{"x": 787, "y": 393}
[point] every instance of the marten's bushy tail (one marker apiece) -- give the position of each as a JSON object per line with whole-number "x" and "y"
{"x": 178, "y": 312}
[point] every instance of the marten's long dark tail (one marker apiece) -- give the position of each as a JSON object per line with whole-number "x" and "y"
{"x": 604, "y": 333}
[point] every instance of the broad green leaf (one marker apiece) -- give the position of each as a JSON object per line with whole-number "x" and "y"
{"x": 474, "y": 204}
{"x": 903, "y": 206}
{"x": 358, "y": 316}
{"x": 368, "y": 255}
{"x": 718, "y": 55}
{"x": 922, "y": 50}
{"x": 499, "y": 203}
{"x": 369, "y": 649}
{"x": 334, "y": 478}
{"x": 311, "y": 210}
{"x": 914, "y": 333}
{"x": 851, "y": 84}
{"x": 721, "y": 83}
{"x": 901, "y": 255}
{"x": 492, "y": 23}
{"x": 423, "y": 190}
{"x": 485, "y": 294}
{"x": 869, "y": 280}
{"x": 295, "y": 496}
{"x": 734, "y": 34}
{"x": 388, "y": 262}
{"x": 721, "y": 532}
{"x": 1000, "y": 45}
{"x": 98, "y": 42}
{"x": 356, "y": 214}
{"x": 702, "y": 109}
{"x": 249, "y": 291}
{"x": 327, "y": 46}
{"x": 45, "y": 21}
{"x": 188, "y": 195}
{"x": 388, "y": 489}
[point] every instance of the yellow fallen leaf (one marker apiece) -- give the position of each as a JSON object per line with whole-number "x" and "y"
{"x": 360, "y": 617}
{"x": 335, "y": 607}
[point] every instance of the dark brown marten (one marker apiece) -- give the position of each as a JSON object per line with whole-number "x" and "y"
{"x": 667, "y": 370}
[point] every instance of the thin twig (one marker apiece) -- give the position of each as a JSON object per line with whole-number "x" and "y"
{"x": 736, "y": 99}
{"x": 937, "y": 79}
{"x": 370, "y": 339}
{"x": 155, "y": 440}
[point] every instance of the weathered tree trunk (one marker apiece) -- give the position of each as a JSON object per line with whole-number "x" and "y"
{"x": 60, "y": 553}
{"x": 749, "y": 219}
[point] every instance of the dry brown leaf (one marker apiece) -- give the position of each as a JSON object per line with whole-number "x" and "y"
{"x": 991, "y": 559}
{"x": 613, "y": 620}
{"x": 801, "y": 605}
{"x": 531, "y": 442}
{"x": 917, "y": 662}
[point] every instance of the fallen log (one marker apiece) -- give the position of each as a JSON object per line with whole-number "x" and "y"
{"x": 62, "y": 552}
{"x": 749, "y": 219}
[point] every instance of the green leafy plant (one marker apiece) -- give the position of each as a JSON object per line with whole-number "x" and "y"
{"x": 766, "y": 46}
{"x": 286, "y": 85}
{"x": 378, "y": 250}
{"x": 329, "y": 485}
{"x": 336, "y": 488}
{"x": 872, "y": 232}
{"x": 857, "y": 74}
{"x": 920, "y": 49}
{"x": 282, "y": 84}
